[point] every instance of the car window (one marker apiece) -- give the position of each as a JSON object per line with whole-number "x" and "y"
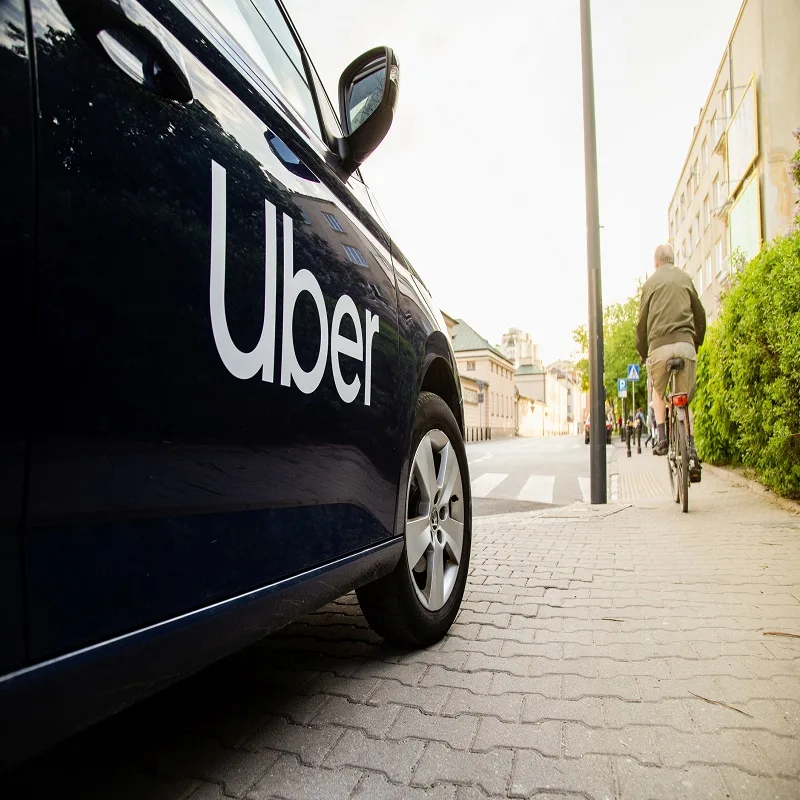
{"x": 261, "y": 30}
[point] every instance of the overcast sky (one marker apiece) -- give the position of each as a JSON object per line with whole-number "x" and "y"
{"x": 481, "y": 175}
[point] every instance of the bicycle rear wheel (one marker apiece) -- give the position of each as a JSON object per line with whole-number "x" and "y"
{"x": 672, "y": 426}
{"x": 682, "y": 463}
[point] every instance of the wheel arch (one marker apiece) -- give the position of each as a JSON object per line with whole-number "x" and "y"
{"x": 440, "y": 376}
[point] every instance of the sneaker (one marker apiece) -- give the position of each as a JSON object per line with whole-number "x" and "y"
{"x": 660, "y": 448}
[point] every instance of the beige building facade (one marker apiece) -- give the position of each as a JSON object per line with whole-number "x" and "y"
{"x": 557, "y": 388}
{"x": 735, "y": 190}
{"x": 518, "y": 346}
{"x": 484, "y": 369}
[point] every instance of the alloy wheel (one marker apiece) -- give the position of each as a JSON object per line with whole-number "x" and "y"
{"x": 434, "y": 520}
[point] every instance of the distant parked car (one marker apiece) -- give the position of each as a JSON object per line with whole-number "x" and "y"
{"x": 586, "y": 431}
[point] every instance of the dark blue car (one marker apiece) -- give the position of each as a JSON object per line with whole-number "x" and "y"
{"x": 227, "y": 397}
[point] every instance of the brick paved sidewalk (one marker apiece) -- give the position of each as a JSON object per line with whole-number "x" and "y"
{"x": 620, "y": 656}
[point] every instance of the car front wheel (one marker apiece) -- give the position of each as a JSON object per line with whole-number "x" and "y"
{"x": 417, "y": 603}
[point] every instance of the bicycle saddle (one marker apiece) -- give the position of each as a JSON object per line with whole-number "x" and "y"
{"x": 675, "y": 363}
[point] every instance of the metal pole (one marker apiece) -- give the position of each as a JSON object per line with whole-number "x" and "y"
{"x": 597, "y": 445}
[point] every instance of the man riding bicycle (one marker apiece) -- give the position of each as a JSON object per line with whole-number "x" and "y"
{"x": 671, "y": 324}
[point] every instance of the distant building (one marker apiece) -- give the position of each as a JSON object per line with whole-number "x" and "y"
{"x": 558, "y": 388}
{"x": 530, "y": 416}
{"x": 735, "y": 190}
{"x": 484, "y": 370}
{"x": 518, "y": 346}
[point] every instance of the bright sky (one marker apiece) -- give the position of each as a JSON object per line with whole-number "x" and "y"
{"x": 481, "y": 175}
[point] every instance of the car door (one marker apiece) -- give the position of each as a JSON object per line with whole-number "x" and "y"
{"x": 216, "y": 339}
{"x": 16, "y": 233}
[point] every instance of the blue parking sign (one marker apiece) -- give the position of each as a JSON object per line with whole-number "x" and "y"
{"x": 633, "y": 372}
{"x": 622, "y": 387}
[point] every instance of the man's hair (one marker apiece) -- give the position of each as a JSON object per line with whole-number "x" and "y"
{"x": 664, "y": 255}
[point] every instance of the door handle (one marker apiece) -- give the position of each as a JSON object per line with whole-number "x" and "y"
{"x": 132, "y": 40}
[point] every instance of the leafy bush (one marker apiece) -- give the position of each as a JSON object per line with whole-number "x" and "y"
{"x": 748, "y": 399}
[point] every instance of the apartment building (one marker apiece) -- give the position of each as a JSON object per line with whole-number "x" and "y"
{"x": 493, "y": 375}
{"x": 558, "y": 389}
{"x": 735, "y": 190}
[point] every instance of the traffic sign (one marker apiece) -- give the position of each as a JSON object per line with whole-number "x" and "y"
{"x": 633, "y": 372}
{"x": 622, "y": 387}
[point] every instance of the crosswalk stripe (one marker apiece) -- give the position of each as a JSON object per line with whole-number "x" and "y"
{"x": 482, "y": 486}
{"x": 538, "y": 489}
{"x": 585, "y": 485}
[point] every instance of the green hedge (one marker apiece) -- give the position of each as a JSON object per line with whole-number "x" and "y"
{"x": 748, "y": 382}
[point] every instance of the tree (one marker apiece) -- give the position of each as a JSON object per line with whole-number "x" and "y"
{"x": 619, "y": 334}
{"x": 619, "y": 327}
{"x": 581, "y": 338}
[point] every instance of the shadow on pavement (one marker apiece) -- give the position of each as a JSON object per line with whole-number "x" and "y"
{"x": 213, "y": 726}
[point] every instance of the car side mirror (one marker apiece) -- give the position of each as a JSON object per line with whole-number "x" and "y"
{"x": 368, "y": 91}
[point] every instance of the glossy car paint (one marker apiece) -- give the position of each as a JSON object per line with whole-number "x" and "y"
{"x": 16, "y": 233}
{"x": 161, "y": 484}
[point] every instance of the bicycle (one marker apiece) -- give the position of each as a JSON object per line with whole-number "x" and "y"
{"x": 678, "y": 432}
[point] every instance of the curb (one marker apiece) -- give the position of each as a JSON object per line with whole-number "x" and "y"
{"x": 755, "y": 487}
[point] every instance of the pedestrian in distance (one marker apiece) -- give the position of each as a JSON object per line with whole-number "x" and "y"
{"x": 651, "y": 422}
{"x": 671, "y": 324}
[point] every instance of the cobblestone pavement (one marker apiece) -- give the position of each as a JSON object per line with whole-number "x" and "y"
{"x": 615, "y": 654}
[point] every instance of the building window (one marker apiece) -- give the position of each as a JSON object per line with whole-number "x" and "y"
{"x": 698, "y": 280}
{"x": 683, "y": 206}
{"x": 707, "y": 271}
{"x": 333, "y": 222}
{"x": 695, "y": 176}
{"x": 697, "y": 228}
{"x": 683, "y": 252}
{"x": 706, "y": 212}
{"x": 354, "y": 255}
{"x": 719, "y": 256}
{"x": 725, "y": 102}
{"x": 470, "y": 366}
{"x": 716, "y": 194}
{"x": 704, "y": 155}
{"x": 306, "y": 219}
{"x": 689, "y": 189}
{"x": 691, "y": 241}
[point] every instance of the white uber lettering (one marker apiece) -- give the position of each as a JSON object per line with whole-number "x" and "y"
{"x": 241, "y": 365}
{"x": 245, "y": 365}
{"x": 293, "y": 284}
{"x": 340, "y": 344}
{"x": 371, "y": 328}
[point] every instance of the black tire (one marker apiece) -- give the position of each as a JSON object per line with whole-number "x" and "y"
{"x": 683, "y": 465}
{"x": 390, "y": 604}
{"x": 674, "y": 483}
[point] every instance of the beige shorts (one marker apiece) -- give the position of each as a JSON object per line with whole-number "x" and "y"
{"x": 659, "y": 374}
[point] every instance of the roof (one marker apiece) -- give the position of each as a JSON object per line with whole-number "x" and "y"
{"x": 529, "y": 369}
{"x": 449, "y": 321}
{"x": 467, "y": 338}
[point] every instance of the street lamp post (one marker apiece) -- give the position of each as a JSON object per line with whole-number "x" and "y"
{"x": 597, "y": 445}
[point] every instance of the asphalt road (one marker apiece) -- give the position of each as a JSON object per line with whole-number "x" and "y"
{"x": 511, "y": 475}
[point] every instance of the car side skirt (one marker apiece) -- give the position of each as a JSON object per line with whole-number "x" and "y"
{"x": 44, "y": 703}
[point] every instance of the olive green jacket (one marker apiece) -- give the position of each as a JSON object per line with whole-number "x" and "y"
{"x": 670, "y": 311}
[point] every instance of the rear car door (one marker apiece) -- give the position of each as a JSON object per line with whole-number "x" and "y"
{"x": 17, "y": 236}
{"x": 216, "y": 339}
